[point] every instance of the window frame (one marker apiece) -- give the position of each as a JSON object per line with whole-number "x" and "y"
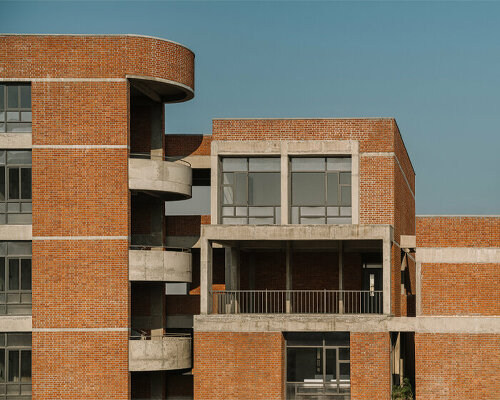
{"x": 4, "y": 123}
{"x": 24, "y": 205}
{"x": 343, "y": 219}
{"x": 6, "y": 383}
{"x": 276, "y": 217}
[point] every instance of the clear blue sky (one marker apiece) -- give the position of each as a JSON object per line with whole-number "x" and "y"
{"x": 434, "y": 66}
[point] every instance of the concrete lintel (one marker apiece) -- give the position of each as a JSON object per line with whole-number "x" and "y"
{"x": 21, "y": 323}
{"x": 344, "y": 323}
{"x": 15, "y": 140}
{"x": 16, "y": 232}
{"x": 166, "y": 266}
{"x": 460, "y": 255}
{"x": 296, "y": 232}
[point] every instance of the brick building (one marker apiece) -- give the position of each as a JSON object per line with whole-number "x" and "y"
{"x": 272, "y": 259}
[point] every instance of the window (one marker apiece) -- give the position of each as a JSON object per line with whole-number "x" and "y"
{"x": 15, "y": 187}
{"x": 15, "y": 108}
{"x": 15, "y": 278}
{"x": 15, "y": 366}
{"x": 199, "y": 203}
{"x": 250, "y": 191}
{"x": 318, "y": 365}
{"x": 321, "y": 190}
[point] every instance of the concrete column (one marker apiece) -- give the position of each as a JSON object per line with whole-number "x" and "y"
{"x": 341, "y": 276}
{"x": 285, "y": 212}
{"x": 157, "y": 134}
{"x": 288, "y": 278}
{"x": 235, "y": 268}
{"x": 386, "y": 272}
{"x": 205, "y": 277}
{"x": 418, "y": 297}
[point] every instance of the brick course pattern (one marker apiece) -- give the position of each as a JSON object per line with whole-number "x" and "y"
{"x": 80, "y": 365}
{"x": 94, "y": 56}
{"x": 187, "y": 145}
{"x": 457, "y": 366}
{"x": 370, "y": 366}
{"x": 238, "y": 365}
{"x": 443, "y": 231}
{"x": 475, "y": 293}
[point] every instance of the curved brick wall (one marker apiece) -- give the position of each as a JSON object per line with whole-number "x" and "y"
{"x": 94, "y": 56}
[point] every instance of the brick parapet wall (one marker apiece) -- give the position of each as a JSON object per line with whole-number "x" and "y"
{"x": 457, "y": 231}
{"x": 457, "y": 366}
{"x": 94, "y": 56}
{"x": 238, "y": 365}
{"x": 370, "y": 366}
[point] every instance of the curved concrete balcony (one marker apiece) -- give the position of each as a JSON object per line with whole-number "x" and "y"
{"x": 153, "y": 264}
{"x": 162, "y": 353}
{"x": 168, "y": 178}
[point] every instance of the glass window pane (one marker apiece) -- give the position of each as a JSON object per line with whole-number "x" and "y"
{"x": 234, "y": 164}
{"x": 19, "y": 127}
{"x": 227, "y": 179}
{"x": 332, "y": 211}
{"x": 227, "y": 195}
{"x": 345, "y": 353}
{"x": 2, "y": 116}
{"x": 308, "y": 189}
{"x": 345, "y": 211}
{"x": 13, "y": 183}
{"x": 234, "y": 221}
{"x": 14, "y": 274}
{"x": 337, "y": 339}
{"x": 25, "y": 274}
{"x": 228, "y": 211}
{"x": 261, "y": 221}
{"x": 13, "y": 365}
{"x": 2, "y": 274}
{"x": 333, "y": 189}
{"x": 3, "y": 155}
{"x": 2, "y": 183}
{"x": 261, "y": 211}
{"x": 264, "y": 164}
{"x": 308, "y": 164}
{"x": 26, "y": 183}
{"x": 19, "y": 157}
{"x": 264, "y": 189}
{"x": 345, "y": 178}
{"x": 12, "y": 96}
{"x": 304, "y": 363}
{"x": 312, "y": 221}
{"x": 295, "y": 215}
{"x": 331, "y": 365}
{"x": 2, "y": 365}
{"x": 19, "y": 248}
{"x": 2, "y": 94}
{"x": 338, "y": 163}
{"x": 2, "y": 125}
{"x": 13, "y": 116}
{"x": 312, "y": 211}
{"x": 241, "y": 211}
{"x": 241, "y": 188}
{"x": 18, "y": 339}
{"x": 345, "y": 198}
{"x": 26, "y": 96}
{"x": 26, "y": 366}
{"x": 26, "y": 116}
{"x": 345, "y": 371}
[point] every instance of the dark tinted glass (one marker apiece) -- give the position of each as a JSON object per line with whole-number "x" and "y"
{"x": 13, "y": 183}
{"x": 2, "y": 274}
{"x": 304, "y": 339}
{"x": 264, "y": 189}
{"x": 13, "y": 366}
{"x": 337, "y": 339}
{"x": 2, "y": 97}
{"x": 2, "y": 183}
{"x": 331, "y": 364}
{"x": 25, "y": 365}
{"x": 26, "y": 183}
{"x": 2, "y": 365}
{"x": 13, "y": 274}
{"x": 12, "y": 96}
{"x": 308, "y": 189}
{"x": 26, "y": 96}
{"x": 303, "y": 363}
{"x": 25, "y": 274}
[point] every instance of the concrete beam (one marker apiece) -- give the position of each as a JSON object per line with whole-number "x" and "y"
{"x": 21, "y": 323}
{"x": 15, "y": 140}
{"x": 458, "y": 255}
{"x": 344, "y": 323}
{"x": 160, "y": 354}
{"x": 16, "y": 232}
{"x": 166, "y": 266}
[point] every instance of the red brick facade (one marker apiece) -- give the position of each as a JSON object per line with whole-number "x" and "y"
{"x": 370, "y": 366}
{"x": 457, "y": 366}
{"x": 239, "y": 365}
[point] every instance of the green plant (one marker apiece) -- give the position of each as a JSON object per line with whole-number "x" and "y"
{"x": 402, "y": 392}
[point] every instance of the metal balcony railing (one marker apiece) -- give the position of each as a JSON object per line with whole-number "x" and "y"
{"x": 297, "y": 302}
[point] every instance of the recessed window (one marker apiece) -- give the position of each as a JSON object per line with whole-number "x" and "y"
{"x": 317, "y": 364}
{"x": 15, "y": 187}
{"x": 15, "y": 278}
{"x": 15, "y": 108}
{"x": 250, "y": 191}
{"x": 321, "y": 190}
{"x": 15, "y": 366}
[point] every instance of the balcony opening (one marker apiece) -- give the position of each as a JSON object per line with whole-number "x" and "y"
{"x": 330, "y": 277}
